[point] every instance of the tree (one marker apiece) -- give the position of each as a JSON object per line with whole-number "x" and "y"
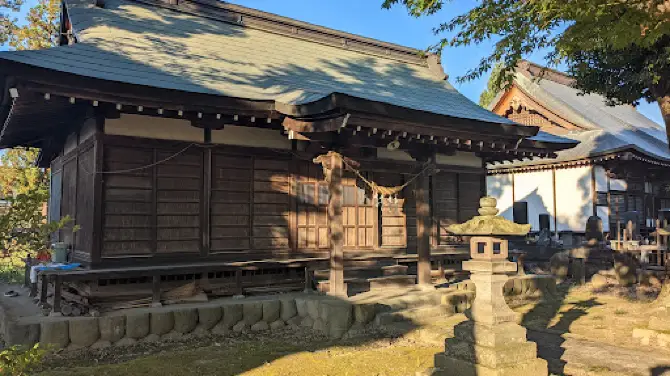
{"x": 20, "y": 173}
{"x": 616, "y": 48}
{"x": 39, "y": 30}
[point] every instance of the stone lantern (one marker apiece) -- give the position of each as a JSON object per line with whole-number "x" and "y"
{"x": 490, "y": 342}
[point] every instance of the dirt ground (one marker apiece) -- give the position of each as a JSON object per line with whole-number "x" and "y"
{"x": 583, "y": 332}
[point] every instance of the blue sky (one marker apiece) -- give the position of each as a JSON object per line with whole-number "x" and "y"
{"x": 365, "y": 17}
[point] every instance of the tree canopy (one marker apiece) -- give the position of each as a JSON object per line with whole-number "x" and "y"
{"x": 38, "y": 30}
{"x": 617, "y": 48}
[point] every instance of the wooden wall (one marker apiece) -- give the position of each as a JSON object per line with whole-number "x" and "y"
{"x": 161, "y": 203}
{"x": 72, "y": 192}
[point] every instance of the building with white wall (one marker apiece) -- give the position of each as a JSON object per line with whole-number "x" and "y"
{"x": 620, "y": 166}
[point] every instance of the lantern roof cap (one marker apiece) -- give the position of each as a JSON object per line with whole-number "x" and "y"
{"x": 489, "y": 223}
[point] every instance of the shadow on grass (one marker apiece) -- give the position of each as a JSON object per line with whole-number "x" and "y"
{"x": 548, "y": 337}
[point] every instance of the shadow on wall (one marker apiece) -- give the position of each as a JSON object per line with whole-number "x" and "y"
{"x": 578, "y": 208}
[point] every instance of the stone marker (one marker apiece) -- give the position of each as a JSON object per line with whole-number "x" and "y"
{"x": 490, "y": 342}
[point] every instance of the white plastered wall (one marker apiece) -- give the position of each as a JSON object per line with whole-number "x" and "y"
{"x": 154, "y": 127}
{"x": 573, "y": 198}
{"x": 500, "y": 187}
{"x": 537, "y": 189}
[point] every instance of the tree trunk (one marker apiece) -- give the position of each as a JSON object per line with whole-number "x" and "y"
{"x": 664, "y": 105}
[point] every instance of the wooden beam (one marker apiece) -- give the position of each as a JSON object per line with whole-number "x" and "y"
{"x": 422, "y": 229}
{"x": 318, "y": 125}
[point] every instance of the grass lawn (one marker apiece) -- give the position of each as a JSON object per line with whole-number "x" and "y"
{"x": 272, "y": 357}
{"x": 603, "y": 318}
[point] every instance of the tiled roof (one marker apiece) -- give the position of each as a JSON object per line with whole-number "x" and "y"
{"x": 609, "y": 129}
{"x": 136, "y": 43}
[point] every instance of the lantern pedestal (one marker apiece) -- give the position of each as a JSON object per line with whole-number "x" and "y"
{"x": 490, "y": 343}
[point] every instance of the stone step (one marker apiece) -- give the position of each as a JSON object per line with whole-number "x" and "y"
{"x": 394, "y": 270}
{"x": 360, "y": 272}
{"x": 391, "y": 281}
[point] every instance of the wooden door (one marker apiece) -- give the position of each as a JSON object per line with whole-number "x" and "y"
{"x": 359, "y": 215}
{"x": 312, "y": 202}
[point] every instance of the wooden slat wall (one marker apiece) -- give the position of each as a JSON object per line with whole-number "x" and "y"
{"x": 69, "y": 198}
{"x": 178, "y": 195}
{"x": 271, "y": 204}
{"x": 85, "y": 200}
{"x": 231, "y": 203}
{"x": 469, "y": 193}
{"x": 445, "y": 203}
{"x": 128, "y": 209}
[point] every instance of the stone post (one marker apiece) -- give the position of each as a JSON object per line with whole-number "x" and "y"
{"x": 490, "y": 342}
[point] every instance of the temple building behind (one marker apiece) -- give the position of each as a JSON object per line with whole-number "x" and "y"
{"x": 619, "y": 170}
{"x": 201, "y": 138}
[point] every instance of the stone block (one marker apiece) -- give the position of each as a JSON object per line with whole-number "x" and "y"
{"x": 260, "y": 326}
{"x": 294, "y": 322}
{"x": 307, "y": 322}
{"x": 339, "y": 317}
{"x": 645, "y": 336}
{"x": 138, "y": 325}
{"x": 55, "y": 333}
{"x": 288, "y": 309}
{"x": 253, "y": 313}
{"x": 232, "y": 314}
{"x": 559, "y": 264}
{"x": 241, "y": 327}
{"x": 21, "y": 334}
{"x": 364, "y": 313}
{"x": 320, "y": 326}
{"x": 313, "y": 308}
{"x": 221, "y": 330}
{"x": 625, "y": 267}
{"x": 301, "y": 306}
{"x": 151, "y": 338}
{"x": 271, "y": 310}
{"x": 505, "y": 334}
{"x": 113, "y": 328}
{"x": 659, "y": 323}
{"x": 275, "y": 325}
{"x": 599, "y": 281}
{"x": 185, "y": 320}
{"x": 101, "y": 344}
{"x": 518, "y": 286}
{"x": 84, "y": 331}
{"x": 208, "y": 317}
{"x": 126, "y": 341}
{"x": 447, "y": 366}
{"x": 162, "y": 322}
{"x": 663, "y": 339}
{"x": 492, "y": 357}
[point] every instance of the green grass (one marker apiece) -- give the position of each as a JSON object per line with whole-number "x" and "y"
{"x": 270, "y": 358}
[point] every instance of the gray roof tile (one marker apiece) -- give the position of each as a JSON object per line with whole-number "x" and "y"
{"x": 141, "y": 44}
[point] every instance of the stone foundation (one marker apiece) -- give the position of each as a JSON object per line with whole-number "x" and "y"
{"x": 335, "y": 318}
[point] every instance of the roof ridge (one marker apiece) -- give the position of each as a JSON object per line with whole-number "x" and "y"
{"x": 536, "y": 70}
{"x": 270, "y": 22}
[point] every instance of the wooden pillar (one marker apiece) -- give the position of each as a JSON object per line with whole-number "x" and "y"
{"x": 57, "y": 295}
{"x": 422, "y": 230}
{"x": 336, "y": 226}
